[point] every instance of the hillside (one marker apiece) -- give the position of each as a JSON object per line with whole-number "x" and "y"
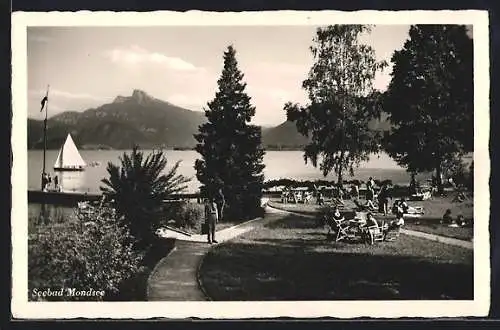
{"x": 286, "y": 136}
{"x": 150, "y": 123}
{"x": 136, "y": 119}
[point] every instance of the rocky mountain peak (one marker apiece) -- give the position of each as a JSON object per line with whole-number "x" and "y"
{"x": 138, "y": 96}
{"x": 141, "y": 96}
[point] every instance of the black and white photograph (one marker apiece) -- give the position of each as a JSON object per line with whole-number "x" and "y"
{"x": 236, "y": 165}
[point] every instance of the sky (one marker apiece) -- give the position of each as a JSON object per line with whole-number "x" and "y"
{"x": 89, "y": 66}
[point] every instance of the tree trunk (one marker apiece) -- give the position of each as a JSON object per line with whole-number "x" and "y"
{"x": 340, "y": 168}
{"x": 439, "y": 180}
{"x": 339, "y": 177}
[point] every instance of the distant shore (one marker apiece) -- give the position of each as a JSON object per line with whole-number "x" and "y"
{"x": 103, "y": 147}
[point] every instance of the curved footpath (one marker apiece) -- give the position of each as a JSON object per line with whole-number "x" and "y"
{"x": 175, "y": 277}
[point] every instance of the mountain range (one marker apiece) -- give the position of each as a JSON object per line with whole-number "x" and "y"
{"x": 149, "y": 122}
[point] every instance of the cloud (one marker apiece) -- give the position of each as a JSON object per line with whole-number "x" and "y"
{"x": 136, "y": 55}
{"x": 192, "y": 102}
{"x": 65, "y": 95}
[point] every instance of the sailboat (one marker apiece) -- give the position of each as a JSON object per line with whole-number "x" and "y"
{"x": 69, "y": 158}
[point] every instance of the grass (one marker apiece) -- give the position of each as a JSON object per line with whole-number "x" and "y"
{"x": 289, "y": 258}
{"x": 428, "y": 223}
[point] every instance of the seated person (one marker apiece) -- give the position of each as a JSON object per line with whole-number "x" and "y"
{"x": 373, "y": 227}
{"x": 447, "y": 218}
{"x": 461, "y": 220}
{"x": 400, "y": 203}
{"x": 370, "y": 220}
{"x": 337, "y": 215}
{"x": 395, "y": 224}
{"x": 307, "y": 197}
{"x": 367, "y": 206}
{"x": 320, "y": 200}
{"x": 333, "y": 219}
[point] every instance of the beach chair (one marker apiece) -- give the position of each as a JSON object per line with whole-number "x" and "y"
{"x": 284, "y": 197}
{"x": 307, "y": 198}
{"x": 392, "y": 233}
{"x": 361, "y": 208}
{"x": 376, "y": 232}
{"x": 340, "y": 227}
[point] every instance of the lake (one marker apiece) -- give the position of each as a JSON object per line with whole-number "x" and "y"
{"x": 279, "y": 164}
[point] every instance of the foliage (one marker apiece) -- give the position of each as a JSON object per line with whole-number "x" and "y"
{"x": 342, "y": 100}
{"x": 430, "y": 98}
{"x": 232, "y": 155}
{"x": 138, "y": 188}
{"x": 306, "y": 183}
{"x": 185, "y": 215}
{"x": 461, "y": 174}
{"x": 93, "y": 252}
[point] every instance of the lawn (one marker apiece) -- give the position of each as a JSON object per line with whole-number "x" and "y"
{"x": 428, "y": 223}
{"x": 289, "y": 258}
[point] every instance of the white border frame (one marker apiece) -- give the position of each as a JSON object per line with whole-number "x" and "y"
{"x": 21, "y": 308}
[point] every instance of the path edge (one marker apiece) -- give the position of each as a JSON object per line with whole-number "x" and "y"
{"x": 155, "y": 268}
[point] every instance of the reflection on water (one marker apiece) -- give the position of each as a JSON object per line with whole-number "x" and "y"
{"x": 71, "y": 180}
{"x": 45, "y": 214}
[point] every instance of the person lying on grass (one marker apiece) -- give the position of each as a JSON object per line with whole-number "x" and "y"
{"x": 407, "y": 209}
{"x": 368, "y": 206}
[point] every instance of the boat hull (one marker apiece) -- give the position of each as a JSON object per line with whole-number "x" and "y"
{"x": 69, "y": 169}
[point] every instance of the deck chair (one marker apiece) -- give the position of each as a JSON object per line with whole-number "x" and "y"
{"x": 376, "y": 232}
{"x": 392, "y": 233}
{"x": 362, "y": 208}
{"x": 340, "y": 227}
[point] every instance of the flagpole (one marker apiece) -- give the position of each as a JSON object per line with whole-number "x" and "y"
{"x": 45, "y": 133}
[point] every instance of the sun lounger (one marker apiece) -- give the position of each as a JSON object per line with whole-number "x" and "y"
{"x": 421, "y": 196}
{"x": 361, "y": 207}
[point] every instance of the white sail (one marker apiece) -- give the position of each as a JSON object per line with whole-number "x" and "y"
{"x": 69, "y": 157}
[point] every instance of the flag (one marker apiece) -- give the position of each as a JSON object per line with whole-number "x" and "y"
{"x": 44, "y": 100}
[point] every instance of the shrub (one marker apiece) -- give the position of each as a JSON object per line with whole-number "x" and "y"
{"x": 92, "y": 252}
{"x": 184, "y": 215}
{"x": 138, "y": 188}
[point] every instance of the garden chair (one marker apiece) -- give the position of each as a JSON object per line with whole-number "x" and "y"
{"x": 375, "y": 232}
{"x": 307, "y": 198}
{"x": 392, "y": 233}
{"x": 340, "y": 227}
{"x": 360, "y": 207}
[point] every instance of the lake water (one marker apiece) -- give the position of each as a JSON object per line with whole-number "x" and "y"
{"x": 279, "y": 164}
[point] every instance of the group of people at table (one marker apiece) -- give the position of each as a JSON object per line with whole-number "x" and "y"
{"x": 374, "y": 200}
{"x": 363, "y": 224}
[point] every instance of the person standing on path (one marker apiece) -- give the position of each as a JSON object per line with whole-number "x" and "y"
{"x": 56, "y": 183}
{"x": 211, "y": 219}
{"x": 221, "y": 202}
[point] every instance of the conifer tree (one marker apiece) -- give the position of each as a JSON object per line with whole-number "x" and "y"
{"x": 231, "y": 150}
